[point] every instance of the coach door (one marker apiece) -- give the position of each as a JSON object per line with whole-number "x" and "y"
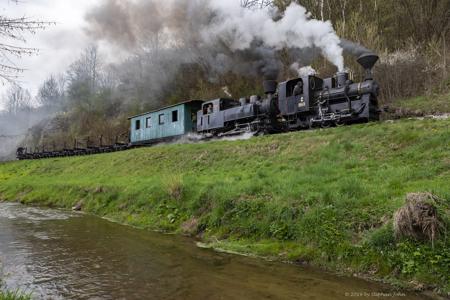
{"x": 138, "y": 130}
{"x": 207, "y": 111}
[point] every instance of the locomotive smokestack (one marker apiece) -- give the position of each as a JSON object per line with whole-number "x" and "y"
{"x": 270, "y": 86}
{"x": 341, "y": 78}
{"x": 367, "y": 61}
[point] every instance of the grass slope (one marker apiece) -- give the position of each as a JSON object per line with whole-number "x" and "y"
{"x": 326, "y": 197}
{"x": 419, "y": 106}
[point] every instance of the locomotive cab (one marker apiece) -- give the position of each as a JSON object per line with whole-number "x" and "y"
{"x": 218, "y": 105}
{"x": 295, "y": 94}
{"x": 212, "y": 114}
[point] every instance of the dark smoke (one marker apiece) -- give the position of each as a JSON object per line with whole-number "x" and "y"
{"x": 354, "y": 48}
{"x": 111, "y": 22}
{"x": 256, "y": 61}
{"x": 169, "y": 27}
{"x": 219, "y": 35}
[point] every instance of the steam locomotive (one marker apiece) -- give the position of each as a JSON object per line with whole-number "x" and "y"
{"x": 299, "y": 103}
{"x": 296, "y": 104}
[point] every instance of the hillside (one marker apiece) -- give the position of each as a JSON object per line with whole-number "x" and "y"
{"x": 325, "y": 197}
{"x": 436, "y": 104}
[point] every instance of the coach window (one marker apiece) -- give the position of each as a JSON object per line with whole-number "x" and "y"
{"x": 175, "y": 116}
{"x": 138, "y": 124}
{"x": 208, "y": 109}
{"x": 148, "y": 122}
{"x": 161, "y": 119}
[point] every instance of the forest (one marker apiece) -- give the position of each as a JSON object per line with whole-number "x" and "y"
{"x": 94, "y": 96}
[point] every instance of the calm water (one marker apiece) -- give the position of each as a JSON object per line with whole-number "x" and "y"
{"x": 63, "y": 255}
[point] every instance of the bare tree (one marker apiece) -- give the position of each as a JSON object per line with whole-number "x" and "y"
{"x": 17, "y": 100}
{"x": 343, "y": 4}
{"x": 12, "y": 35}
{"x": 87, "y": 68}
{"x": 50, "y": 93}
{"x": 321, "y": 9}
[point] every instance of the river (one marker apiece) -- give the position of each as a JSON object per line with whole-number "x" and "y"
{"x": 56, "y": 254}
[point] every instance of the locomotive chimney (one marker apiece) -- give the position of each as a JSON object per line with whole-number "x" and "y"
{"x": 367, "y": 61}
{"x": 270, "y": 86}
{"x": 341, "y": 78}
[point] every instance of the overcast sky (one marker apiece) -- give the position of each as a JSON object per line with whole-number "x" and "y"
{"x": 59, "y": 45}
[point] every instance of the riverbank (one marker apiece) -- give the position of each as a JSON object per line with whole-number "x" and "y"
{"x": 13, "y": 296}
{"x": 9, "y": 295}
{"x": 324, "y": 197}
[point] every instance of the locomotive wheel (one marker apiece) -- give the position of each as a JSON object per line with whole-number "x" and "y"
{"x": 339, "y": 123}
{"x": 325, "y": 124}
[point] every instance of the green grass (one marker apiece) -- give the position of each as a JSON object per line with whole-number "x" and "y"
{"x": 434, "y": 104}
{"x": 14, "y": 296}
{"x": 325, "y": 197}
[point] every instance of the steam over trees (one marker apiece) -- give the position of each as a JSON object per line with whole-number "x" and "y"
{"x": 51, "y": 93}
{"x": 17, "y": 100}
{"x": 86, "y": 69}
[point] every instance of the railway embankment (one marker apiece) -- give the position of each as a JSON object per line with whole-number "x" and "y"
{"x": 338, "y": 198}
{"x": 430, "y": 105}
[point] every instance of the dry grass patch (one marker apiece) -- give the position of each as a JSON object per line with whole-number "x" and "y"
{"x": 418, "y": 218}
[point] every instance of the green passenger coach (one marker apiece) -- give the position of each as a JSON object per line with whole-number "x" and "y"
{"x": 165, "y": 124}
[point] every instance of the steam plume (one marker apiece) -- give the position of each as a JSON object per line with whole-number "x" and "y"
{"x": 221, "y": 35}
{"x": 354, "y": 48}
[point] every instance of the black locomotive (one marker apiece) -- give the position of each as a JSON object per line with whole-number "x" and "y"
{"x": 295, "y": 104}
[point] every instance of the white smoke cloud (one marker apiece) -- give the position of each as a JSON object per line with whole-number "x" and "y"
{"x": 220, "y": 34}
{"x": 295, "y": 29}
{"x": 303, "y": 71}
